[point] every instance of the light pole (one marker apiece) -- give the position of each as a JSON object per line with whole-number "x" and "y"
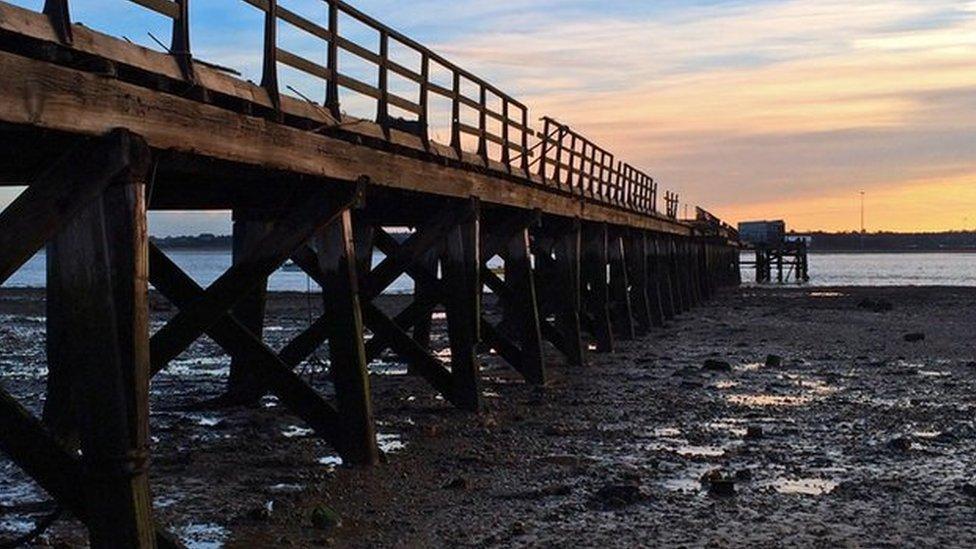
{"x": 862, "y": 212}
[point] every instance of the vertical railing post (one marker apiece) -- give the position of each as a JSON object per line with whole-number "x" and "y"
{"x": 269, "y": 72}
{"x": 525, "y": 140}
{"x": 456, "y": 114}
{"x": 180, "y": 44}
{"x": 332, "y": 60}
{"x": 383, "y": 104}
{"x": 57, "y": 11}
{"x": 571, "y": 179}
{"x": 424, "y": 117}
{"x": 506, "y": 153}
{"x": 483, "y": 123}
{"x": 544, "y": 151}
{"x": 558, "y": 171}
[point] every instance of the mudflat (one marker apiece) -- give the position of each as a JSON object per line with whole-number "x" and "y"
{"x": 767, "y": 417}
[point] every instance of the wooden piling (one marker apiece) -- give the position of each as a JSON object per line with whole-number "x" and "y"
{"x": 596, "y": 285}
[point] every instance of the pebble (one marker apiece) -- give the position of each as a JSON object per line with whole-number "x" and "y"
{"x": 713, "y": 365}
{"x": 914, "y": 337}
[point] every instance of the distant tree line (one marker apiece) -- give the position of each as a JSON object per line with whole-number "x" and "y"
{"x": 201, "y": 241}
{"x": 886, "y": 241}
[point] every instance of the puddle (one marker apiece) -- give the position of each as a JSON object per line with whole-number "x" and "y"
{"x": 666, "y": 432}
{"x": 750, "y": 367}
{"x": 933, "y": 373}
{"x": 826, "y": 294}
{"x": 206, "y": 421}
{"x": 388, "y": 369}
{"x": 285, "y": 488}
{"x": 688, "y": 480}
{"x": 295, "y": 431}
{"x": 203, "y": 535}
{"x": 690, "y": 450}
{"x": 330, "y": 462}
{"x": 390, "y": 442}
{"x": 206, "y": 366}
{"x": 804, "y": 486}
{"x": 764, "y": 400}
{"x": 725, "y": 384}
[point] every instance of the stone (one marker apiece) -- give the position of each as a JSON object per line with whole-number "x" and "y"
{"x": 324, "y": 518}
{"x": 718, "y": 484}
{"x": 914, "y": 337}
{"x": 714, "y": 365}
{"x": 754, "y": 432}
{"x": 458, "y": 483}
{"x": 902, "y": 444}
{"x": 969, "y": 490}
{"x": 774, "y": 361}
{"x": 619, "y": 495}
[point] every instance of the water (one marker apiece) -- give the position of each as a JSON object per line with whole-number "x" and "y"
{"x": 204, "y": 266}
{"x": 833, "y": 269}
{"x": 887, "y": 269}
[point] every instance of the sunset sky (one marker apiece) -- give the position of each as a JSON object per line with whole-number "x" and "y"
{"x": 751, "y": 108}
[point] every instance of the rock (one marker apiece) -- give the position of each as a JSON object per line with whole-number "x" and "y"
{"x": 969, "y": 490}
{"x": 615, "y": 496}
{"x": 774, "y": 361}
{"x": 458, "y": 483}
{"x": 718, "y": 484}
{"x": 754, "y": 432}
{"x": 914, "y": 337}
{"x": 324, "y": 518}
{"x": 877, "y": 306}
{"x": 713, "y": 365}
{"x": 902, "y": 444}
{"x": 518, "y": 528}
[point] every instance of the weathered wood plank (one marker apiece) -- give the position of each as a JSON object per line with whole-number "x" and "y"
{"x": 344, "y": 328}
{"x": 48, "y": 96}
{"x": 462, "y": 296}
{"x": 290, "y": 232}
{"x": 57, "y": 195}
{"x": 103, "y": 298}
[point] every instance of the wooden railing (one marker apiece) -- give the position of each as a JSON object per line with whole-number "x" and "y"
{"x": 556, "y": 156}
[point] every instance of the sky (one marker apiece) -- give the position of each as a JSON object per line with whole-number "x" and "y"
{"x": 753, "y": 109}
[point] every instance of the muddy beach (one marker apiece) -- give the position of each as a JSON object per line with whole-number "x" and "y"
{"x": 767, "y": 417}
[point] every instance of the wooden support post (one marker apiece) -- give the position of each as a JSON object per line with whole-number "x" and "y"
{"x": 567, "y": 268}
{"x": 244, "y": 387}
{"x": 426, "y": 290}
{"x": 344, "y": 329}
{"x": 462, "y": 284}
{"x": 315, "y": 211}
{"x": 639, "y": 279}
{"x": 595, "y": 284}
{"x": 655, "y": 297}
{"x": 663, "y": 273}
{"x": 522, "y": 308}
{"x": 622, "y": 309}
{"x": 101, "y": 272}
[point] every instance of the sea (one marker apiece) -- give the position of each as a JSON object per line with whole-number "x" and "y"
{"x": 826, "y": 269}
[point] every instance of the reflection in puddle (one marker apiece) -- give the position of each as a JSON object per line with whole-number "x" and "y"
{"x": 390, "y": 442}
{"x": 203, "y": 536}
{"x": 762, "y": 400}
{"x": 294, "y": 431}
{"x": 804, "y": 486}
{"x": 826, "y": 294}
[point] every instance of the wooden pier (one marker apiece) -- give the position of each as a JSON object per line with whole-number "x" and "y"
{"x": 101, "y": 131}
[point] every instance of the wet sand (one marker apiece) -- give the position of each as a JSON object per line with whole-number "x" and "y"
{"x": 857, "y": 438}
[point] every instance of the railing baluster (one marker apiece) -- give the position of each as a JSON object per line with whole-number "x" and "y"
{"x": 483, "y": 123}
{"x": 269, "y": 71}
{"x": 506, "y": 153}
{"x": 180, "y": 44}
{"x": 424, "y": 118}
{"x": 456, "y": 115}
{"x": 57, "y": 11}
{"x": 332, "y": 60}
{"x": 558, "y": 175}
{"x": 383, "y": 103}
{"x": 572, "y": 180}
{"x": 544, "y": 151}
{"x": 525, "y": 140}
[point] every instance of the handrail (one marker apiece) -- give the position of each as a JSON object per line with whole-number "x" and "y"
{"x": 557, "y": 157}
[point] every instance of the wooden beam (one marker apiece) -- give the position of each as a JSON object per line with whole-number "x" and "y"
{"x": 567, "y": 268}
{"x": 462, "y": 299}
{"x": 101, "y": 265}
{"x": 662, "y": 272}
{"x": 595, "y": 285}
{"x": 296, "y": 395}
{"x": 344, "y": 327}
{"x": 655, "y": 297}
{"x": 310, "y": 214}
{"x": 249, "y": 228}
{"x": 621, "y": 308}
{"x": 521, "y": 307}
{"x": 637, "y": 276}
{"x": 47, "y": 96}
{"x": 73, "y": 182}
{"x": 55, "y": 468}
